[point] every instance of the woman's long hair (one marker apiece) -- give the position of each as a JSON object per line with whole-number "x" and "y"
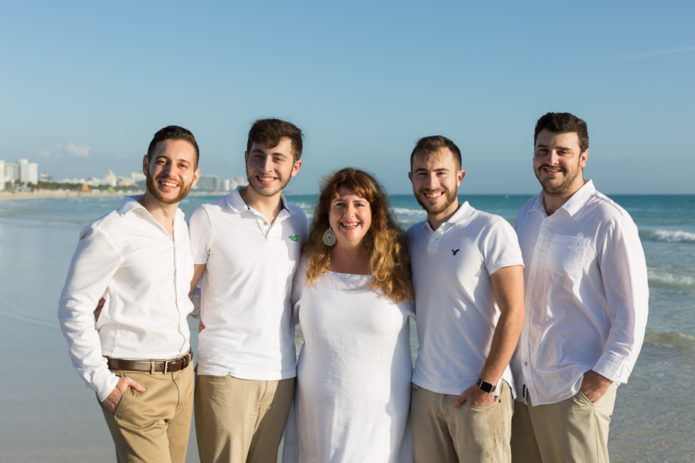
{"x": 389, "y": 263}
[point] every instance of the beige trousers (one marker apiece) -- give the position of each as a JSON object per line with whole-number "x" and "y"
{"x": 153, "y": 426}
{"x": 240, "y": 420}
{"x": 442, "y": 433}
{"x": 573, "y": 430}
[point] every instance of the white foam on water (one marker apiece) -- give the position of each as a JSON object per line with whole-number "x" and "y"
{"x": 669, "y": 280}
{"x": 412, "y": 213}
{"x": 671, "y": 236}
{"x": 672, "y": 339}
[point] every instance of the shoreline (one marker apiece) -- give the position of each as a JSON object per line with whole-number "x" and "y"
{"x": 83, "y": 194}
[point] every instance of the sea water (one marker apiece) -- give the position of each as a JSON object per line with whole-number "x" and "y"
{"x": 46, "y": 413}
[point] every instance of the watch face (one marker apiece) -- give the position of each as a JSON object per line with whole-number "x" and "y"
{"x": 485, "y": 386}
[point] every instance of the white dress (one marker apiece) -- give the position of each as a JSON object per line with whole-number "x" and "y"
{"x": 353, "y": 376}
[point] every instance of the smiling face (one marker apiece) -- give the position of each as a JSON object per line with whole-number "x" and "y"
{"x": 269, "y": 169}
{"x": 436, "y": 178}
{"x": 559, "y": 163}
{"x": 350, "y": 217}
{"x": 171, "y": 171}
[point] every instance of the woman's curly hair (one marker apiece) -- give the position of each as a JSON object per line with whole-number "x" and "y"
{"x": 389, "y": 263}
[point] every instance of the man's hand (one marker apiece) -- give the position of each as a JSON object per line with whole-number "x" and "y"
{"x": 201, "y": 326}
{"x": 475, "y": 396}
{"x": 112, "y": 400}
{"x": 594, "y": 385}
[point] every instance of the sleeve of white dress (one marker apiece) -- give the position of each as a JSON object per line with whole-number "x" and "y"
{"x": 95, "y": 262}
{"x": 624, "y": 273}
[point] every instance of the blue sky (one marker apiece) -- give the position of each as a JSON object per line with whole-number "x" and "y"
{"x": 84, "y": 85}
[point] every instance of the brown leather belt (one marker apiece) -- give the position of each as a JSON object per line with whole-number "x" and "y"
{"x": 153, "y": 366}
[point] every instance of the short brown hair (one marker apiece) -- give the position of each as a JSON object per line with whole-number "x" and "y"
{"x": 389, "y": 263}
{"x": 563, "y": 123}
{"x": 173, "y": 132}
{"x": 432, "y": 144}
{"x": 268, "y": 132}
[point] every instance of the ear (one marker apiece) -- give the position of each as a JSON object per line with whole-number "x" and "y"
{"x": 410, "y": 176}
{"x": 583, "y": 158}
{"x": 295, "y": 168}
{"x": 246, "y": 156}
{"x": 196, "y": 175}
{"x": 459, "y": 177}
{"x": 145, "y": 165}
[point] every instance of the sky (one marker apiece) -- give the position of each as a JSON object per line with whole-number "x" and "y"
{"x": 84, "y": 85}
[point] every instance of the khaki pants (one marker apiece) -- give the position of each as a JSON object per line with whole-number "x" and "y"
{"x": 573, "y": 430}
{"x": 442, "y": 433}
{"x": 240, "y": 420}
{"x": 153, "y": 426}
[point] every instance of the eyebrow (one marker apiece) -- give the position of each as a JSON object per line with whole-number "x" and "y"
{"x": 422, "y": 169}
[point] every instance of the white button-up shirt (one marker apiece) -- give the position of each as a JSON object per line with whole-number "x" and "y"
{"x": 586, "y": 295}
{"x": 246, "y": 288}
{"x": 145, "y": 275}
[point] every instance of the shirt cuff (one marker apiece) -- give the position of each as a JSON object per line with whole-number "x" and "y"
{"x": 613, "y": 367}
{"x": 105, "y": 386}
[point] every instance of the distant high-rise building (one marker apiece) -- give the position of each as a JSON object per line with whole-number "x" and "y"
{"x": 28, "y": 171}
{"x": 110, "y": 179}
{"x": 2, "y": 175}
{"x": 208, "y": 183}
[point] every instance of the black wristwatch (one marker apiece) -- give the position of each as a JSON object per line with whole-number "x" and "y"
{"x": 485, "y": 386}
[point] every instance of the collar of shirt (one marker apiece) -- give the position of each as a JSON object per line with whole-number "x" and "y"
{"x": 573, "y": 205}
{"x": 462, "y": 214}
{"x": 236, "y": 203}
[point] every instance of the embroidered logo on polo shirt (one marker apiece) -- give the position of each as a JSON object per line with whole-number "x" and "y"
{"x": 294, "y": 237}
{"x": 454, "y": 251}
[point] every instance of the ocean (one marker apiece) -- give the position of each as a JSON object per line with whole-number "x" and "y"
{"x": 46, "y": 413}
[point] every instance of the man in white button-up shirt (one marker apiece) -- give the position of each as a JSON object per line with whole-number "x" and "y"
{"x": 246, "y": 247}
{"x": 136, "y": 354}
{"x": 586, "y": 304}
{"x": 469, "y": 304}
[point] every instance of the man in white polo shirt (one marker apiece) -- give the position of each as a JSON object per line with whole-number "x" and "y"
{"x": 137, "y": 354}
{"x": 468, "y": 279}
{"x": 586, "y": 300}
{"x": 246, "y": 247}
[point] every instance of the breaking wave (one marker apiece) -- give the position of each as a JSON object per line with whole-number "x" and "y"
{"x": 670, "y": 236}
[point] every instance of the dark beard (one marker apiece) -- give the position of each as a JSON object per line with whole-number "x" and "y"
{"x": 152, "y": 189}
{"x": 450, "y": 198}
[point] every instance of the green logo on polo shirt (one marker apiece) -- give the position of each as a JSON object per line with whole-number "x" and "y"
{"x": 294, "y": 237}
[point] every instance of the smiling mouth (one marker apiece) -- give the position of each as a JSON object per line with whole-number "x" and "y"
{"x": 167, "y": 184}
{"x": 265, "y": 180}
{"x": 349, "y": 225}
{"x": 431, "y": 195}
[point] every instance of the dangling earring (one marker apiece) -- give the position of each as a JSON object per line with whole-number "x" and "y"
{"x": 329, "y": 237}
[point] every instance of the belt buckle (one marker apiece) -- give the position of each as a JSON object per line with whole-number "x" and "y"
{"x": 166, "y": 365}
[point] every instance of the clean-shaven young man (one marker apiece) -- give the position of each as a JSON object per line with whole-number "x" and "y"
{"x": 468, "y": 280}
{"x": 246, "y": 247}
{"x": 586, "y": 303}
{"x": 136, "y": 356}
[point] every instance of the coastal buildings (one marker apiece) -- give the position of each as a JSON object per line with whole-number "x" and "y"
{"x": 15, "y": 176}
{"x": 22, "y": 171}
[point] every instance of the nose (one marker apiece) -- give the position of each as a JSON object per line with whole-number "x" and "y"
{"x": 350, "y": 210}
{"x": 552, "y": 157}
{"x": 431, "y": 181}
{"x": 267, "y": 164}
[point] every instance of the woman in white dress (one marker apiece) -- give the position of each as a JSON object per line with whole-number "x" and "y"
{"x": 353, "y": 300}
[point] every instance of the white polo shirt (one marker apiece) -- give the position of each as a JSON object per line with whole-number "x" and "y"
{"x": 587, "y": 295}
{"x": 144, "y": 275}
{"x": 455, "y": 307}
{"x": 246, "y": 289}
